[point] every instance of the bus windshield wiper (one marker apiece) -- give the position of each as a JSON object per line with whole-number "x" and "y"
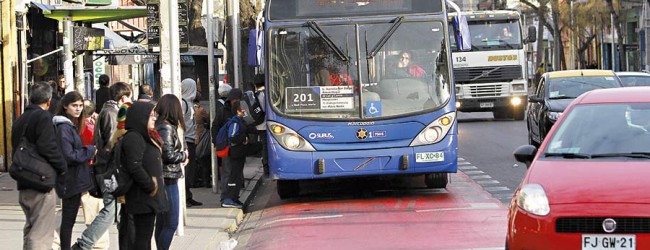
{"x": 645, "y": 155}
{"x": 316, "y": 28}
{"x": 569, "y": 155}
{"x": 385, "y": 37}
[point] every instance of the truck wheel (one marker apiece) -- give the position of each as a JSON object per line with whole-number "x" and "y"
{"x": 436, "y": 180}
{"x": 519, "y": 113}
{"x": 288, "y": 189}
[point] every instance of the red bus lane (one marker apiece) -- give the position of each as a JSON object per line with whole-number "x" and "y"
{"x": 462, "y": 217}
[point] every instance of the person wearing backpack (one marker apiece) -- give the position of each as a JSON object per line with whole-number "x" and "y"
{"x": 69, "y": 122}
{"x": 219, "y": 119}
{"x": 234, "y": 162}
{"x": 141, "y": 156}
{"x": 105, "y": 128}
{"x": 170, "y": 119}
{"x": 260, "y": 96}
{"x": 188, "y": 91}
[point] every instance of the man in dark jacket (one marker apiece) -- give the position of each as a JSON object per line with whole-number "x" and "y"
{"x": 103, "y": 94}
{"x": 145, "y": 94}
{"x": 105, "y": 127}
{"x": 39, "y": 208}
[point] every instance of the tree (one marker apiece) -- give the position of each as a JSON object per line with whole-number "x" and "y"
{"x": 542, "y": 12}
{"x": 247, "y": 17}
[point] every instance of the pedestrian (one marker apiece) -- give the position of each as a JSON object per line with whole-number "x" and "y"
{"x": 125, "y": 226}
{"x": 233, "y": 171}
{"x": 69, "y": 122}
{"x": 170, "y": 120}
{"x": 221, "y": 115}
{"x": 145, "y": 94}
{"x": 203, "y": 176}
{"x": 105, "y": 127}
{"x": 188, "y": 90}
{"x": 57, "y": 93}
{"x": 39, "y": 207}
{"x": 260, "y": 95}
{"x": 141, "y": 152}
{"x": 89, "y": 122}
{"x": 103, "y": 93}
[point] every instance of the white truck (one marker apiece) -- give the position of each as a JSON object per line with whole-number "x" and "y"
{"x": 492, "y": 76}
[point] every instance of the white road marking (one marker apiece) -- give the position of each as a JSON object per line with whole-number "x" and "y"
{"x": 304, "y": 218}
{"x": 473, "y": 206}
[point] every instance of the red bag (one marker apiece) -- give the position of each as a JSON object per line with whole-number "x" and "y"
{"x": 223, "y": 152}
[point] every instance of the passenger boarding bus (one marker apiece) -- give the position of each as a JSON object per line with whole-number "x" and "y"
{"x": 359, "y": 88}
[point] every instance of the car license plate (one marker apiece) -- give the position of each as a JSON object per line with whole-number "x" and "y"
{"x": 487, "y": 105}
{"x": 430, "y": 157}
{"x": 608, "y": 241}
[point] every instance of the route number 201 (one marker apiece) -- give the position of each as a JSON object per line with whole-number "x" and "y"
{"x": 302, "y": 98}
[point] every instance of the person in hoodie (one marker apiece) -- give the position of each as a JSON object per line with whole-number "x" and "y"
{"x": 69, "y": 122}
{"x": 141, "y": 156}
{"x": 239, "y": 149}
{"x": 188, "y": 91}
{"x": 170, "y": 119}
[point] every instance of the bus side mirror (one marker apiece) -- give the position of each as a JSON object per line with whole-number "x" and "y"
{"x": 532, "y": 34}
{"x": 461, "y": 33}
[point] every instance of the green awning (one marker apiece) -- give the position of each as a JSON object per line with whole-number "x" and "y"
{"x": 92, "y": 14}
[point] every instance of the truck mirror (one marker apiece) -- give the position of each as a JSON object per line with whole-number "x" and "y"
{"x": 532, "y": 34}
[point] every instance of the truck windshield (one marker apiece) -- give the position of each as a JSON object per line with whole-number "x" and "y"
{"x": 492, "y": 35}
{"x": 309, "y": 79}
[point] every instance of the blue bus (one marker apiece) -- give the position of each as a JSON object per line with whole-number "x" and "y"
{"x": 358, "y": 88}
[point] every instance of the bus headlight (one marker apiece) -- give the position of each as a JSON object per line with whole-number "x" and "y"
{"x": 435, "y": 131}
{"x": 288, "y": 138}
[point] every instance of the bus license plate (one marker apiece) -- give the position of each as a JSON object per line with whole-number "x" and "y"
{"x": 610, "y": 241}
{"x": 487, "y": 105}
{"x": 430, "y": 157}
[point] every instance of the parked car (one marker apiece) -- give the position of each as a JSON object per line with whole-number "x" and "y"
{"x": 555, "y": 91}
{"x": 632, "y": 79}
{"x": 584, "y": 188}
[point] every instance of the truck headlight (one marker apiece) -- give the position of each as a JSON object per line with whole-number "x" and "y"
{"x": 287, "y": 138}
{"x": 518, "y": 87}
{"x": 532, "y": 198}
{"x": 515, "y": 101}
{"x": 435, "y": 131}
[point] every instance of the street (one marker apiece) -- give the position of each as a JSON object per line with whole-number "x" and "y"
{"x": 399, "y": 213}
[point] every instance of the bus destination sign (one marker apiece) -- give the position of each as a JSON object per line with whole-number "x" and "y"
{"x": 320, "y": 98}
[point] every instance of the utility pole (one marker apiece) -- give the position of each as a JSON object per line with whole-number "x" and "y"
{"x": 233, "y": 17}
{"x": 211, "y": 85}
{"x": 573, "y": 53}
{"x": 613, "y": 57}
{"x": 79, "y": 83}
{"x": 170, "y": 76}
{"x": 68, "y": 71}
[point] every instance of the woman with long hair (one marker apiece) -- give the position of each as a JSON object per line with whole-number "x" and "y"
{"x": 70, "y": 121}
{"x": 170, "y": 119}
{"x": 141, "y": 153}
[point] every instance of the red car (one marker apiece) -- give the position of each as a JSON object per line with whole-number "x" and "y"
{"x": 588, "y": 185}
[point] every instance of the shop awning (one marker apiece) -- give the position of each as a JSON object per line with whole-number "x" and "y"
{"x": 91, "y": 14}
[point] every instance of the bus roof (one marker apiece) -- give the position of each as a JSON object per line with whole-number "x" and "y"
{"x": 316, "y": 9}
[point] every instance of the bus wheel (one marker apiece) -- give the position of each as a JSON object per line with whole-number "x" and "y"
{"x": 288, "y": 189}
{"x": 436, "y": 180}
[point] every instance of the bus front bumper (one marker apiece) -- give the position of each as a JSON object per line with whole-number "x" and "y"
{"x": 436, "y": 158}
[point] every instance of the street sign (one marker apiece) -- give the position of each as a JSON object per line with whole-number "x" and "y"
{"x": 153, "y": 25}
{"x": 183, "y": 26}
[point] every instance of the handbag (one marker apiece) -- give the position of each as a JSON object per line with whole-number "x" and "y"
{"x": 29, "y": 168}
{"x": 203, "y": 148}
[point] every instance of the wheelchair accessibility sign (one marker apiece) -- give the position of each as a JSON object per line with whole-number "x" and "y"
{"x": 373, "y": 109}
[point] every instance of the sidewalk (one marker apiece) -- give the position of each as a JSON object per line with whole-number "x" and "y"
{"x": 206, "y": 226}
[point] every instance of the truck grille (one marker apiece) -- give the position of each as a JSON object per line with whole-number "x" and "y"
{"x": 489, "y": 90}
{"x": 487, "y": 74}
{"x": 595, "y": 225}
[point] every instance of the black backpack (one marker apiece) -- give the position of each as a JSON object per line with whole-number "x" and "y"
{"x": 116, "y": 180}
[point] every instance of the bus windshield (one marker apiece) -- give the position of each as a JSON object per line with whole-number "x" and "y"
{"x": 325, "y": 71}
{"x": 492, "y": 35}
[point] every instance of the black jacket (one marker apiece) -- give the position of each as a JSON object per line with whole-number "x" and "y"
{"x": 40, "y": 131}
{"x": 223, "y": 112}
{"x": 102, "y": 95}
{"x": 172, "y": 154}
{"x": 77, "y": 178}
{"x": 142, "y": 159}
{"x": 106, "y": 124}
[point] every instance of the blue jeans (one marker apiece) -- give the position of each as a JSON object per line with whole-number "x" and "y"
{"x": 167, "y": 222}
{"x": 100, "y": 225}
